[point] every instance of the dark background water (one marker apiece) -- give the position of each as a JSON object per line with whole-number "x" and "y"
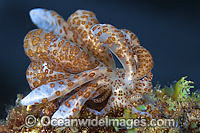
{"x": 169, "y": 29}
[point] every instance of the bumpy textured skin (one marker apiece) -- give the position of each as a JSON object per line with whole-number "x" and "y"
{"x": 38, "y": 73}
{"x": 130, "y": 37}
{"x": 76, "y": 29}
{"x": 60, "y": 54}
{"x": 76, "y": 55}
{"x": 122, "y": 46}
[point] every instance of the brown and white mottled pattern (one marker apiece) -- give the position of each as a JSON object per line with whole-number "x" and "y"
{"x": 125, "y": 50}
{"x": 76, "y": 55}
{"x": 130, "y": 37}
{"x": 38, "y": 73}
{"x": 60, "y": 54}
{"x": 76, "y": 29}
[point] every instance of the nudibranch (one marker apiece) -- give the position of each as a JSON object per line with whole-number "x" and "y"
{"x": 77, "y": 56}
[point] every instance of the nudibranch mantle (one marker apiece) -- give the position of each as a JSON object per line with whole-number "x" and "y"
{"x": 76, "y": 56}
